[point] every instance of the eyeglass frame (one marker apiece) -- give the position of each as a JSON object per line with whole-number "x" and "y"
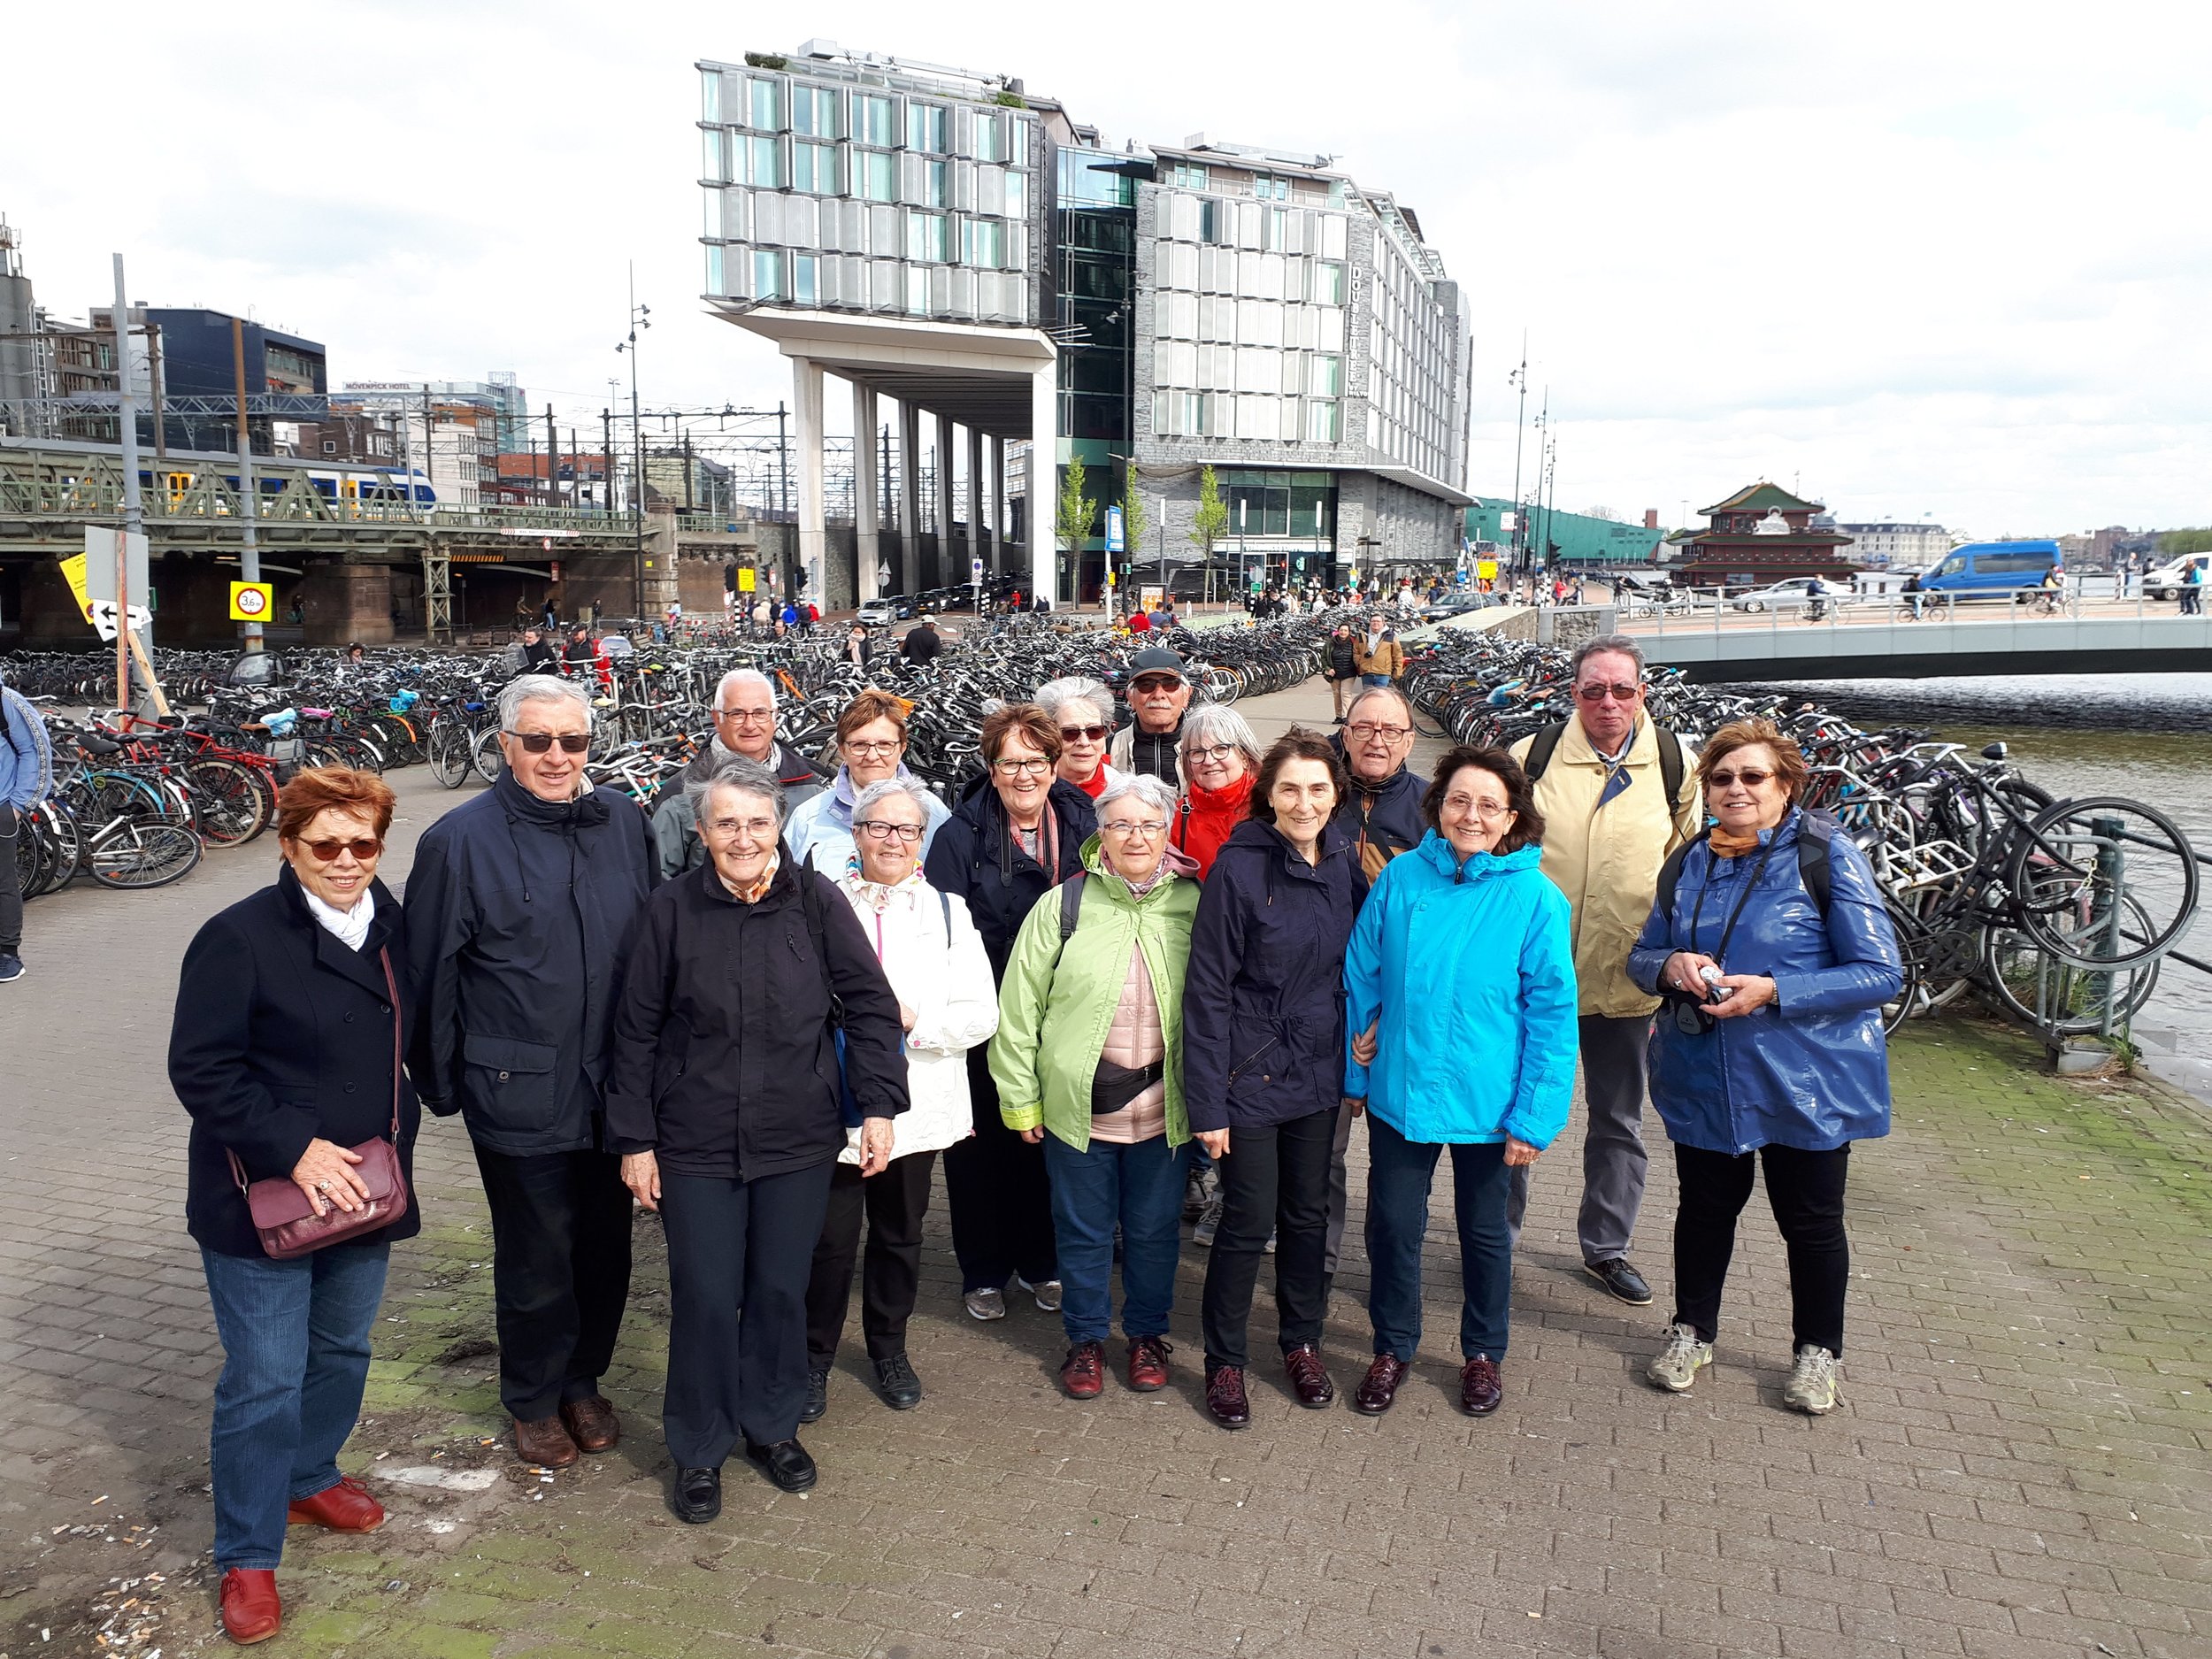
{"x": 908, "y": 832}
{"x": 540, "y": 743}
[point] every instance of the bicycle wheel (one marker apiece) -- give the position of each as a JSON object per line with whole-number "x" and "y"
{"x": 137, "y": 854}
{"x": 2074, "y": 870}
{"x": 484, "y": 754}
{"x": 228, "y": 805}
{"x": 2057, "y": 997}
{"x": 448, "y": 754}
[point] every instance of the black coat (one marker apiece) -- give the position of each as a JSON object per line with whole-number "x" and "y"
{"x": 283, "y": 1035}
{"x": 1382, "y": 820}
{"x": 724, "y": 1064}
{"x": 975, "y": 857}
{"x": 522, "y": 912}
{"x": 921, "y": 644}
{"x": 1263, "y": 993}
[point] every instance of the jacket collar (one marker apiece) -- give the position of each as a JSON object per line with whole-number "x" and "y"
{"x": 1576, "y": 750}
{"x": 588, "y": 809}
{"x": 361, "y": 966}
{"x": 1270, "y": 841}
{"x": 1438, "y": 855}
{"x": 782, "y": 884}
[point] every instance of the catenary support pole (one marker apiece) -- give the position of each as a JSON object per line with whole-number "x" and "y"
{"x": 249, "y": 488}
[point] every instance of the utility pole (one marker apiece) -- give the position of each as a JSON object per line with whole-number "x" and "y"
{"x": 133, "y": 507}
{"x": 1535, "y": 556}
{"x": 606, "y": 460}
{"x": 153, "y": 390}
{"x": 640, "y": 317}
{"x": 789, "y": 561}
{"x": 552, "y": 460}
{"x": 249, "y": 489}
{"x": 1519, "y": 378}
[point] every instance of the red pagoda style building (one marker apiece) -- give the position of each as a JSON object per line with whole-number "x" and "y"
{"x": 1761, "y": 534}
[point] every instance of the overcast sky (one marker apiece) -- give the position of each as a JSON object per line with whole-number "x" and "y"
{"x": 1938, "y": 259}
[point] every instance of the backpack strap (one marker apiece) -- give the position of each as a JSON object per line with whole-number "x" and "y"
{"x": 1541, "y": 750}
{"x": 1671, "y": 768}
{"x": 1072, "y": 906}
{"x": 1815, "y": 831}
{"x": 1670, "y": 871}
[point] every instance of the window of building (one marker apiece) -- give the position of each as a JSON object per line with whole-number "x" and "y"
{"x": 814, "y": 111}
{"x": 710, "y": 95}
{"x": 330, "y": 446}
{"x": 768, "y": 275}
{"x": 1325, "y": 376}
{"x": 1328, "y": 283}
{"x": 1217, "y": 222}
{"x": 990, "y": 142}
{"x": 935, "y": 190}
{"x": 1259, "y": 370}
{"x": 872, "y": 121}
{"x": 926, "y": 237}
{"x": 1322, "y": 420}
{"x": 987, "y": 244}
{"x": 764, "y": 162}
{"x": 1017, "y": 196}
{"x": 917, "y": 284}
{"x": 1188, "y": 175}
{"x": 814, "y": 168}
{"x": 1271, "y": 189}
{"x": 925, "y": 127}
{"x": 802, "y": 278}
{"x": 713, "y": 163}
{"x": 875, "y": 175}
{"x": 715, "y": 284}
{"x": 764, "y": 105}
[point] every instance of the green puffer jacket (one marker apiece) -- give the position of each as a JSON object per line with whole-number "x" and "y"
{"x": 1054, "y": 1016}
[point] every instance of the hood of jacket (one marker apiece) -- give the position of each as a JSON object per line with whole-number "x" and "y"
{"x": 1176, "y": 863}
{"x": 1447, "y": 860}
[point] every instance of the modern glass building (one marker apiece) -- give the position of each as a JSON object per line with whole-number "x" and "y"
{"x": 948, "y": 242}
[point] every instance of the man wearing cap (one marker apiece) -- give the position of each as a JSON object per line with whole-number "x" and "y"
{"x": 1159, "y": 691}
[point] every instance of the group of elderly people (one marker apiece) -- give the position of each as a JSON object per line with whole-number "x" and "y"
{"x": 766, "y": 1013}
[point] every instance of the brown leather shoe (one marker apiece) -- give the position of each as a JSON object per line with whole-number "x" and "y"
{"x": 1227, "y": 1402}
{"x": 1309, "y": 1378}
{"x": 1380, "y": 1387}
{"x": 344, "y": 1507}
{"x": 1148, "y": 1363}
{"x": 544, "y": 1441}
{"x": 1480, "y": 1388}
{"x": 1083, "y": 1373}
{"x": 591, "y": 1423}
{"x": 252, "y": 1610}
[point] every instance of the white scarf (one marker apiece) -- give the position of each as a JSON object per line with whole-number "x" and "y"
{"x": 349, "y": 928}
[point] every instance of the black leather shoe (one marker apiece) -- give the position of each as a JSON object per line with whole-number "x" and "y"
{"x": 816, "y": 1394}
{"x": 895, "y": 1381}
{"x": 1380, "y": 1387}
{"x": 1623, "y": 1282}
{"x": 785, "y": 1463}
{"x": 698, "y": 1496}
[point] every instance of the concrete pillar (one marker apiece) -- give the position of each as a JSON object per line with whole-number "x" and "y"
{"x": 806, "y": 410}
{"x": 998, "y": 504}
{"x": 909, "y": 498}
{"x": 1044, "y": 479}
{"x": 978, "y": 547}
{"x": 866, "y": 490}
{"x": 946, "y": 557}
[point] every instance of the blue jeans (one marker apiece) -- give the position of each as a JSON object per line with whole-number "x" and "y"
{"x": 1399, "y": 1173}
{"x": 1142, "y": 1187}
{"x": 1374, "y": 679}
{"x": 295, "y": 1353}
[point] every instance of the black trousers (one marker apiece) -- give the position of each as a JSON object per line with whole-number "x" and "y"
{"x": 895, "y": 1201}
{"x": 738, "y": 1255}
{"x": 1806, "y": 1191}
{"x": 560, "y": 1273}
{"x": 998, "y": 1194}
{"x": 1275, "y": 1178}
{"x": 10, "y": 887}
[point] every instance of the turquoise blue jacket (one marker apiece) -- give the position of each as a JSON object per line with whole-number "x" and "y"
{"x": 1470, "y": 965}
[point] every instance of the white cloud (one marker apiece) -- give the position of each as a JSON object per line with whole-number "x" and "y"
{"x": 1940, "y": 257}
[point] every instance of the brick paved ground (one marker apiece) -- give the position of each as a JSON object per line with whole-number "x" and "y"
{"x": 2019, "y": 1467}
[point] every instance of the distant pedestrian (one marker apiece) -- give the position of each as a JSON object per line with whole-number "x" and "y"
{"x": 26, "y": 778}
{"x": 2193, "y": 589}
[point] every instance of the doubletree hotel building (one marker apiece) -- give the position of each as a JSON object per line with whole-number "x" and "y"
{"x": 1003, "y": 292}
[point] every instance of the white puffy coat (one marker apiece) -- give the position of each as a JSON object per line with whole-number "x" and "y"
{"x": 934, "y": 959}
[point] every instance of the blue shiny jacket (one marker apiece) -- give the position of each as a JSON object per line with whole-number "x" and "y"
{"x": 1810, "y": 1070}
{"x": 1470, "y": 965}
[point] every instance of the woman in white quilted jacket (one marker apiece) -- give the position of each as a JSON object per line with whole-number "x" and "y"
{"x": 948, "y": 1004}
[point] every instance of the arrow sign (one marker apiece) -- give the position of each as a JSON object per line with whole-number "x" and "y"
{"x": 101, "y": 614}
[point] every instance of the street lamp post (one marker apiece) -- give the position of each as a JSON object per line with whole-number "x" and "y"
{"x": 641, "y": 317}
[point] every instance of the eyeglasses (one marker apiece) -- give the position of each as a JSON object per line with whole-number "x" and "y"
{"x": 758, "y": 828}
{"x": 881, "y": 746}
{"x": 875, "y": 829}
{"x": 1156, "y": 685}
{"x": 1596, "y": 692}
{"x": 326, "y": 852}
{"x": 1367, "y": 731}
{"x": 1485, "y": 809}
{"x": 745, "y": 716}
{"x": 1215, "y": 753}
{"x": 538, "y": 743}
{"x": 1036, "y": 766}
{"x": 1121, "y": 826}
{"x": 1750, "y": 777}
{"x": 1080, "y": 733}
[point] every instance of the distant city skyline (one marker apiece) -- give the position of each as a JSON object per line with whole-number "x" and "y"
{"x": 1893, "y": 253}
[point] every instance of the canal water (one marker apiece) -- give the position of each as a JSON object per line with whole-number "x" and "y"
{"x": 2148, "y": 737}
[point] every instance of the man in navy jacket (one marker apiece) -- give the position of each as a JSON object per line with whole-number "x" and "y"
{"x": 522, "y": 906}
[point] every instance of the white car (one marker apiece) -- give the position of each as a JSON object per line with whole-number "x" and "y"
{"x": 876, "y": 613}
{"x": 1783, "y": 596}
{"x": 2166, "y": 582}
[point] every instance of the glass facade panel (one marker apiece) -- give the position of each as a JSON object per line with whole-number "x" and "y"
{"x": 814, "y": 111}
{"x": 716, "y": 283}
{"x": 1321, "y": 421}
{"x": 1328, "y": 283}
{"x": 814, "y": 168}
{"x": 986, "y": 242}
{"x": 764, "y": 162}
{"x": 714, "y": 159}
{"x": 768, "y": 275}
{"x": 1326, "y": 377}
{"x": 1258, "y": 369}
{"x": 935, "y": 193}
{"x": 710, "y": 95}
{"x": 764, "y": 105}
{"x": 875, "y": 175}
{"x": 802, "y": 275}
{"x": 872, "y": 121}
{"x": 990, "y": 143}
{"x": 1333, "y": 235}
{"x": 925, "y": 127}
{"x": 926, "y": 237}
{"x": 916, "y": 289}
{"x": 1017, "y": 196}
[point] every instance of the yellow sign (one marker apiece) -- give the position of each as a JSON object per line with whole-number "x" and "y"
{"x": 72, "y": 572}
{"x": 1487, "y": 569}
{"x": 745, "y": 579}
{"x": 251, "y": 601}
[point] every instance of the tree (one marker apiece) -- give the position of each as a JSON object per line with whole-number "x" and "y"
{"x": 1134, "y": 525}
{"x": 2174, "y": 543}
{"x": 1077, "y": 512}
{"x": 1211, "y": 523}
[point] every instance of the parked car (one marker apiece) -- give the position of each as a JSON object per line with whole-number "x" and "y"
{"x": 877, "y": 612}
{"x": 1787, "y": 594}
{"x": 1992, "y": 569}
{"x": 2165, "y": 581}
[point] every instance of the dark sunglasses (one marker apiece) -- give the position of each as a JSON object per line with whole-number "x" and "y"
{"x": 1156, "y": 683}
{"x": 1074, "y": 733}
{"x": 1595, "y": 693}
{"x": 1750, "y": 777}
{"x": 326, "y": 852}
{"x": 538, "y": 743}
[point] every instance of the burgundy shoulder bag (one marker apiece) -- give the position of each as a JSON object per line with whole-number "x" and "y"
{"x": 283, "y": 1215}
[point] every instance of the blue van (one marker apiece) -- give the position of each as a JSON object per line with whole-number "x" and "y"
{"x": 1991, "y": 568}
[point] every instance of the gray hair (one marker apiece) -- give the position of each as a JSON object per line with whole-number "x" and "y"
{"x": 1606, "y": 645}
{"x": 747, "y": 776}
{"x": 1146, "y": 787}
{"x": 539, "y": 688}
{"x": 1214, "y": 722}
{"x": 1351, "y": 709}
{"x": 1055, "y": 695}
{"x": 743, "y": 677}
{"x": 889, "y": 789}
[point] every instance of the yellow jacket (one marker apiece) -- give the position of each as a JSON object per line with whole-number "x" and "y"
{"x": 1388, "y": 657}
{"x": 1606, "y": 859}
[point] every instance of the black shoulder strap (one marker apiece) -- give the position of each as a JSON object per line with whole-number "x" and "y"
{"x": 1671, "y": 766}
{"x": 1815, "y": 831}
{"x": 1072, "y": 906}
{"x": 808, "y": 907}
{"x": 1671, "y": 872}
{"x": 1542, "y": 749}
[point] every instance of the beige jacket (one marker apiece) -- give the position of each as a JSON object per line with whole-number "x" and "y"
{"x": 1606, "y": 859}
{"x": 1388, "y": 657}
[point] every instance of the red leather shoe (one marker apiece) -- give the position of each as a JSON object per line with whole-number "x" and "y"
{"x": 1227, "y": 1402}
{"x": 1480, "y": 1387}
{"x": 252, "y": 1610}
{"x": 344, "y": 1507}
{"x": 1380, "y": 1387}
{"x": 1083, "y": 1373}
{"x": 1148, "y": 1363}
{"x": 1309, "y": 1377}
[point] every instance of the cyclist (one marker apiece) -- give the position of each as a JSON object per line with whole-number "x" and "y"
{"x": 1816, "y": 600}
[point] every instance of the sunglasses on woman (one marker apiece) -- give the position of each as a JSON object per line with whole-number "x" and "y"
{"x": 1750, "y": 777}
{"x": 538, "y": 743}
{"x": 1080, "y": 733}
{"x": 326, "y": 852}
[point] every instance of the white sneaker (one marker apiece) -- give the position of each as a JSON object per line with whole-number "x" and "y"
{"x": 985, "y": 1304}
{"x": 1678, "y": 1363}
{"x": 1048, "y": 1293}
{"x": 1208, "y": 1224}
{"x": 1812, "y": 1385}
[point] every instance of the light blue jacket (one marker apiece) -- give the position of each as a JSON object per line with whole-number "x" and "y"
{"x": 27, "y": 755}
{"x": 1470, "y": 965}
{"x": 822, "y": 824}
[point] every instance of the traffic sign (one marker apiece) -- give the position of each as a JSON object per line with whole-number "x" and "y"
{"x": 745, "y": 579}
{"x": 101, "y": 614}
{"x": 251, "y": 601}
{"x": 975, "y": 570}
{"x": 1114, "y": 539}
